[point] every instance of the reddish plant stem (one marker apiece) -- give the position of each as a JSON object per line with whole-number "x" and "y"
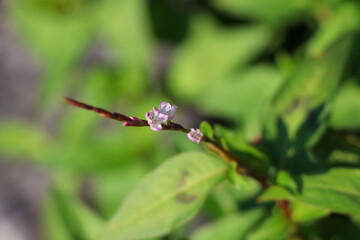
{"x": 284, "y": 206}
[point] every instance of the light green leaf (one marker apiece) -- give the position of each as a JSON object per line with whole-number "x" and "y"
{"x": 242, "y": 96}
{"x": 228, "y": 198}
{"x": 206, "y": 129}
{"x": 166, "y": 198}
{"x": 112, "y": 186}
{"x": 276, "y": 226}
{"x": 234, "y": 140}
{"x": 284, "y": 179}
{"x": 52, "y": 222}
{"x": 211, "y": 53}
{"x": 38, "y": 30}
{"x": 345, "y": 113}
{"x": 302, "y": 212}
{"x": 133, "y": 48}
{"x": 79, "y": 219}
{"x": 344, "y": 20}
{"x": 239, "y": 180}
{"x": 274, "y": 193}
{"x": 337, "y": 189}
{"x": 231, "y": 227}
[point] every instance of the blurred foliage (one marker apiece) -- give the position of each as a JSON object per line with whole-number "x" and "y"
{"x": 277, "y": 82}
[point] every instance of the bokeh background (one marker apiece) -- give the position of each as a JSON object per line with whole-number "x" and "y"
{"x": 237, "y": 63}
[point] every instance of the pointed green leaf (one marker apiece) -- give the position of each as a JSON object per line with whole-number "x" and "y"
{"x": 274, "y": 193}
{"x": 302, "y": 212}
{"x": 166, "y": 198}
{"x": 337, "y": 189}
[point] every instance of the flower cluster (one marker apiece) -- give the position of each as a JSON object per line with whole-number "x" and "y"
{"x": 160, "y": 115}
{"x": 165, "y": 113}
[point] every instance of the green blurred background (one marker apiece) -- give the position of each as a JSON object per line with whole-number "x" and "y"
{"x": 238, "y": 63}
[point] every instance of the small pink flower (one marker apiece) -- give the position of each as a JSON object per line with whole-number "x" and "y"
{"x": 195, "y": 135}
{"x": 166, "y": 108}
{"x": 156, "y": 118}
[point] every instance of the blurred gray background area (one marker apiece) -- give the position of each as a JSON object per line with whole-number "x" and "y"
{"x": 22, "y": 185}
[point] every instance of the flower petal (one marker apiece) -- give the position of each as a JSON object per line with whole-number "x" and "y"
{"x": 148, "y": 116}
{"x": 162, "y": 118}
{"x": 172, "y": 112}
{"x": 165, "y": 107}
{"x": 156, "y": 127}
{"x": 195, "y": 135}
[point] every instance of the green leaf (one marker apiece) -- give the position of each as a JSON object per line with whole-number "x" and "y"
{"x": 207, "y": 130}
{"x": 231, "y": 227}
{"x": 335, "y": 149}
{"x": 166, "y": 198}
{"x": 210, "y": 54}
{"x": 52, "y": 221}
{"x": 284, "y": 179}
{"x": 237, "y": 179}
{"x": 356, "y": 220}
{"x": 132, "y": 49}
{"x": 344, "y": 20}
{"x": 234, "y": 140}
{"x": 38, "y": 30}
{"x": 276, "y": 226}
{"x": 227, "y": 198}
{"x": 79, "y": 219}
{"x": 242, "y": 96}
{"x": 338, "y": 227}
{"x": 274, "y": 193}
{"x": 337, "y": 189}
{"x": 302, "y": 212}
{"x": 345, "y": 113}
{"x": 273, "y": 11}
{"x": 314, "y": 82}
{"x": 276, "y": 142}
{"x": 112, "y": 186}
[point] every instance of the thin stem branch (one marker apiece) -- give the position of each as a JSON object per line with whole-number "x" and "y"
{"x": 210, "y": 144}
{"x": 137, "y": 122}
